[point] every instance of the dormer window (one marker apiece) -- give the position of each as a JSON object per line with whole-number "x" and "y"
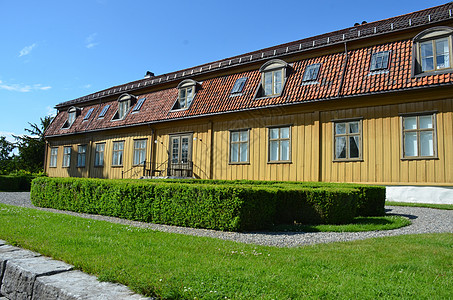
{"x": 379, "y": 61}
{"x": 273, "y": 77}
{"x": 311, "y": 72}
{"x": 432, "y": 50}
{"x": 73, "y": 112}
{"x": 187, "y": 90}
{"x": 125, "y": 102}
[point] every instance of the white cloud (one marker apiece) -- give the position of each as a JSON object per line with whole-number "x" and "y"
{"x": 9, "y": 136}
{"x": 51, "y": 112}
{"x": 26, "y": 50}
{"x": 87, "y": 86}
{"x": 90, "y": 41}
{"x": 23, "y": 88}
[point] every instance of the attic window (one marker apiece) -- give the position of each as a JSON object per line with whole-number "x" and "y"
{"x": 273, "y": 77}
{"x": 238, "y": 85}
{"x": 73, "y": 112}
{"x": 138, "y": 105}
{"x": 379, "y": 61}
{"x": 124, "y": 105}
{"x": 311, "y": 72}
{"x": 187, "y": 90}
{"x": 88, "y": 114}
{"x": 104, "y": 111}
{"x": 433, "y": 51}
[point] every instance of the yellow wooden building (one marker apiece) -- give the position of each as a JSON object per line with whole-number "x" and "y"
{"x": 367, "y": 104}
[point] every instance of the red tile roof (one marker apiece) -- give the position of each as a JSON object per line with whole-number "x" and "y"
{"x": 214, "y": 95}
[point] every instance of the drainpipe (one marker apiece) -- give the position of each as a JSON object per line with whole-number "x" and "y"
{"x": 345, "y": 65}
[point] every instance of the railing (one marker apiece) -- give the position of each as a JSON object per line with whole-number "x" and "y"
{"x": 145, "y": 169}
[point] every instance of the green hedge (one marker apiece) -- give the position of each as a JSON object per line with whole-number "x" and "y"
{"x": 221, "y": 205}
{"x": 13, "y": 183}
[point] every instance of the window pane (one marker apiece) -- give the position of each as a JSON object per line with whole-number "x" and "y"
{"x": 426, "y": 122}
{"x": 244, "y": 150}
{"x": 442, "y": 54}
{"x": 273, "y": 133}
{"x": 244, "y": 135}
{"x": 268, "y": 83}
{"x": 354, "y": 147}
{"x": 234, "y": 136}
{"x": 340, "y": 128}
{"x": 189, "y": 96}
{"x": 410, "y": 123}
{"x": 284, "y": 150}
{"x": 410, "y": 144}
{"x": 175, "y": 151}
{"x": 340, "y": 147}
{"x": 426, "y": 143}
{"x": 184, "y": 150}
{"x": 354, "y": 127}
{"x": 273, "y": 156}
{"x": 284, "y": 133}
{"x": 277, "y": 82}
{"x": 234, "y": 153}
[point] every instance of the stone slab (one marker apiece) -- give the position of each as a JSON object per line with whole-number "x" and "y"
{"x": 20, "y": 274}
{"x": 8, "y": 252}
{"x": 2, "y": 242}
{"x": 75, "y": 285}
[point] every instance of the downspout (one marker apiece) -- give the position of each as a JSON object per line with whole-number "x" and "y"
{"x": 45, "y": 156}
{"x": 345, "y": 65}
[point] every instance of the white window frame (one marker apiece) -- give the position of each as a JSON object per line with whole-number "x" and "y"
{"x": 347, "y": 135}
{"x": 81, "y": 156}
{"x": 66, "y": 157}
{"x": 270, "y": 72}
{"x": 53, "y": 157}
{"x": 187, "y": 90}
{"x": 236, "y": 155}
{"x": 280, "y": 142}
{"x": 99, "y": 155}
{"x": 139, "y": 156}
{"x": 418, "y": 131}
{"x": 117, "y": 153}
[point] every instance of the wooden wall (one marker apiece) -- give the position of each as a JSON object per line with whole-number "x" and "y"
{"x": 311, "y": 145}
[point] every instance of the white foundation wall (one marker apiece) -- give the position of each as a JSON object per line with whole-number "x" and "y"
{"x": 420, "y": 194}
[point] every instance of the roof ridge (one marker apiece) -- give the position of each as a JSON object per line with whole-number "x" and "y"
{"x": 322, "y": 40}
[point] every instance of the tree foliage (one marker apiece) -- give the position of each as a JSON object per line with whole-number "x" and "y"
{"x": 32, "y": 147}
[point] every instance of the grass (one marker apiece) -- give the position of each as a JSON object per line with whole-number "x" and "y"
{"x": 174, "y": 266}
{"x": 437, "y": 206}
{"x": 359, "y": 224}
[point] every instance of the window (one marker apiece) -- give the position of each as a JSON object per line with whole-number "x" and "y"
{"x": 432, "y": 50}
{"x": 186, "y": 94}
{"x": 99, "y": 155}
{"x": 67, "y": 157}
{"x": 104, "y": 111}
{"x": 348, "y": 139}
{"x": 81, "y": 156}
{"x": 239, "y": 146}
{"x": 73, "y": 112}
{"x": 238, "y": 85}
{"x": 419, "y": 136}
{"x": 311, "y": 72}
{"x": 117, "y": 156}
{"x": 138, "y": 105}
{"x": 88, "y": 114}
{"x": 124, "y": 104}
{"x": 273, "y": 76}
{"x": 379, "y": 61}
{"x": 139, "y": 152}
{"x": 279, "y": 144}
{"x": 53, "y": 157}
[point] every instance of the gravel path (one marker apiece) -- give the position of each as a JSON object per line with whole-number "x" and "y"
{"x": 424, "y": 220}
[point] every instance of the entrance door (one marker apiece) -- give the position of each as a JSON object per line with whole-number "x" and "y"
{"x": 180, "y": 160}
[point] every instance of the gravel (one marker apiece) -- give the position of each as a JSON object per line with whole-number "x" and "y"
{"x": 424, "y": 220}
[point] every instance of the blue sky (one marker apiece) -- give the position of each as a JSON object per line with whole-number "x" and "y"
{"x": 54, "y": 51}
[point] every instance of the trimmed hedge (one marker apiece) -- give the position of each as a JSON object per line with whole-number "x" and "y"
{"x": 14, "y": 183}
{"x": 220, "y": 205}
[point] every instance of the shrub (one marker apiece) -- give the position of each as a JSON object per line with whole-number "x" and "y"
{"x": 12, "y": 183}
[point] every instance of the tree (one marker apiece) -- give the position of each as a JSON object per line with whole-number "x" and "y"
{"x": 6, "y": 159}
{"x": 32, "y": 147}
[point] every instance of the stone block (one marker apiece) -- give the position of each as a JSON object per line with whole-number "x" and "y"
{"x": 76, "y": 285}
{"x": 20, "y": 275}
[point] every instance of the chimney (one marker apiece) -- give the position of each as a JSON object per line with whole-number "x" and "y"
{"x": 149, "y": 74}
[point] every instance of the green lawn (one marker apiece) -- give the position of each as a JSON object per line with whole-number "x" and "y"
{"x": 437, "y": 206}
{"x": 173, "y": 266}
